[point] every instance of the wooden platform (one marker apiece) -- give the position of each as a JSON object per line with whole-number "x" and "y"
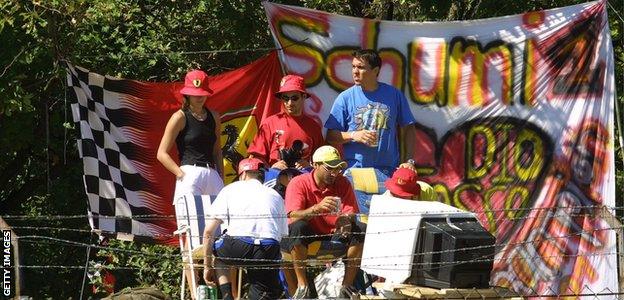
{"x": 406, "y": 291}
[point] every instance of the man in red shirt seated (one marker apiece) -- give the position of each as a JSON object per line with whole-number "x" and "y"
{"x": 280, "y": 131}
{"x": 314, "y": 203}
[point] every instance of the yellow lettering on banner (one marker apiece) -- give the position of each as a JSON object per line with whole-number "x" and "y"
{"x": 461, "y": 55}
{"x": 301, "y": 49}
{"x": 469, "y": 52}
{"x": 528, "y": 96}
{"x": 528, "y": 166}
{"x": 487, "y": 204}
{"x": 503, "y": 176}
{"x": 510, "y": 209}
{"x": 416, "y": 61}
{"x": 460, "y": 189}
{"x": 443, "y": 193}
{"x": 474, "y": 172}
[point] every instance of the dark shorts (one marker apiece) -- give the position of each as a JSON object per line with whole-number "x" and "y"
{"x": 241, "y": 252}
{"x": 262, "y": 261}
{"x": 300, "y": 233}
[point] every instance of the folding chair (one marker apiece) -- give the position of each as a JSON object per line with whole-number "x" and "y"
{"x": 190, "y": 218}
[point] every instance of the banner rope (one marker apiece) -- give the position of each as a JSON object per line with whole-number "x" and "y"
{"x": 153, "y": 54}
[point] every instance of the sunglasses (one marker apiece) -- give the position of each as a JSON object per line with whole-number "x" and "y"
{"x": 291, "y": 98}
{"x": 336, "y": 170}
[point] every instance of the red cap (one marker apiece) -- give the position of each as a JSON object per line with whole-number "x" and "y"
{"x": 403, "y": 183}
{"x": 292, "y": 83}
{"x": 250, "y": 164}
{"x": 196, "y": 84}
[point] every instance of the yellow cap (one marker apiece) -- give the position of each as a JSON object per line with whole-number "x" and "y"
{"x": 329, "y": 156}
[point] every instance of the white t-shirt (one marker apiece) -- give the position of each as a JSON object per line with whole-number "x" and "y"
{"x": 248, "y": 208}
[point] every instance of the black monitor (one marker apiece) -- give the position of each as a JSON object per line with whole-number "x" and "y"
{"x": 452, "y": 253}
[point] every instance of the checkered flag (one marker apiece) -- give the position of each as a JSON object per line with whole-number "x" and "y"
{"x": 123, "y": 197}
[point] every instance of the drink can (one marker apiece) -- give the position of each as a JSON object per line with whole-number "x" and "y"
{"x": 212, "y": 292}
{"x": 376, "y": 133}
{"x": 338, "y": 205}
{"x": 202, "y": 292}
{"x": 206, "y": 292}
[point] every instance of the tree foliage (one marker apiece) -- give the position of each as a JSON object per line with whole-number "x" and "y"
{"x": 147, "y": 40}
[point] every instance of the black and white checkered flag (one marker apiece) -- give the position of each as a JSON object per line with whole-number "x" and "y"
{"x": 117, "y": 179}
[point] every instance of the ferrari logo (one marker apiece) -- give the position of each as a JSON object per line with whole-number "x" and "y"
{"x": 196, "y": 82}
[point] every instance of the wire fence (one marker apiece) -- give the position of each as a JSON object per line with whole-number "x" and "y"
{"x": 49, "y": 234}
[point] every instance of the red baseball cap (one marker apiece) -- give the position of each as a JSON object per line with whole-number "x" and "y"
{"x": 403, "y": 183}
{"x": 292, "y": 83}
{"x": 250, "y": 164}
{"x": 196, "y": 84}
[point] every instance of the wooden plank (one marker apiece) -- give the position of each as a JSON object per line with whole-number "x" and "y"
{"x": 387, "y": 295}
{"x": 419, "y": 292}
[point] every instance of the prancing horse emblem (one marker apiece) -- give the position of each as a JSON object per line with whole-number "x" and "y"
{"x": 196, "y": 82}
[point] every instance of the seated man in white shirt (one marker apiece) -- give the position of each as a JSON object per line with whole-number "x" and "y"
{"x": 256, "y": 222}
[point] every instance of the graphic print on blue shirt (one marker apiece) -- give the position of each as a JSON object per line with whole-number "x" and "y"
{"x": 384, "y": 109}
{"x": 372, "y": 116}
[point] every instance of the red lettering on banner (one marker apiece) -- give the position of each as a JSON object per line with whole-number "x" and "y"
{"x": 572, "y": 56}
{"x": 339, "y": 57}
{"x": 370, "y": 33}
{"x": 533, "y": 19}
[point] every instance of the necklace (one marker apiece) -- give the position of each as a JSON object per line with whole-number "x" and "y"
{"x": 200, "y": 116}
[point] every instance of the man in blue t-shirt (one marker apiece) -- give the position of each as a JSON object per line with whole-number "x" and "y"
{"x": 366, "y": 117}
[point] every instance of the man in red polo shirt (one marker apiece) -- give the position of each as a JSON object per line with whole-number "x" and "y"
{"x": 280, "y": 131}
{"x": 314, "y": 203}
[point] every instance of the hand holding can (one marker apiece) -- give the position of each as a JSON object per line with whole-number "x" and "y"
{"x": 375, "y": 138}
{"x": 338, "y": 205}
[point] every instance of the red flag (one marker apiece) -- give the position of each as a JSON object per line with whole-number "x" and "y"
{"x": 121, "y": 123}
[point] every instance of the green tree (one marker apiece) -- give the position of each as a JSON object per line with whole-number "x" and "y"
{"x": 41, "y": 173}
